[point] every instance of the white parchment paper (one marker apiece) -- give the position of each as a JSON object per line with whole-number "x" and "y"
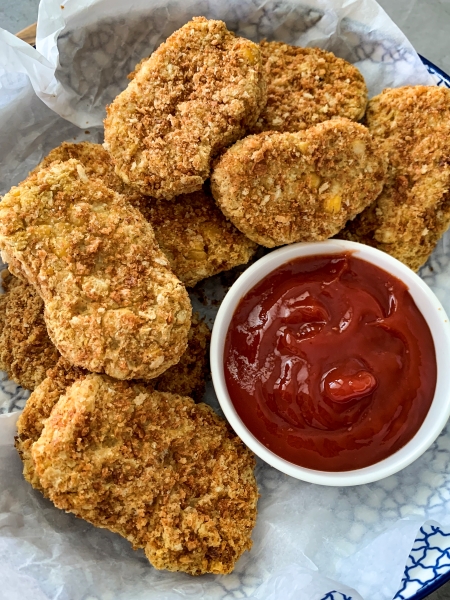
{"x": 309, "y": 540}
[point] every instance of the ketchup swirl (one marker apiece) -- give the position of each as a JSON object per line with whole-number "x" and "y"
{"x": 329, "y": 363}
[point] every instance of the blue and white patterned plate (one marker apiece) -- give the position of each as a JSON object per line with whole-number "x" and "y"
{"x": 428, "y": 565}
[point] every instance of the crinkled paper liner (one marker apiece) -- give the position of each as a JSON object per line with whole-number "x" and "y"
{"x": 310, "y": 542}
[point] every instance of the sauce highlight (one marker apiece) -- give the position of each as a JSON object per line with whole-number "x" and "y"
{"x": 329, "y": 363}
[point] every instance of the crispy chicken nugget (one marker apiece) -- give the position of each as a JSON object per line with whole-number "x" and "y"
{"x": 186, "y": 378}
{"x": 279, "y": 188}
{"x": 163, "y": 472}
{"x": 26, "y": 351}
{"x": 413, "y": 211}
{"x": 196, "y": 94}
{"x": 195, "y": 236}
{"x": 112, "y": 304}
{"x": 306, "y": 86}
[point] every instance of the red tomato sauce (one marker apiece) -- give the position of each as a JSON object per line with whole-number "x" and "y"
{"x": 329, "y": 363}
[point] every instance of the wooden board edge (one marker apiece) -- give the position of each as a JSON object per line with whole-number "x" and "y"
{"x": 28, "y": 34}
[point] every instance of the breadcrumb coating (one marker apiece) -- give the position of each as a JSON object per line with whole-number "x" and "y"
{"x": 112, "y": 304}
{"x": 38, "y": 409}
{"x": 306, "y": 86}
{"x": 199, "y": 92}
{"x": 279, "y": 188}
{"x": 96, "y": 162}
{"x": 413, "y": 211}
{"x": 167, "y": 474}
{"x": 26, "y": 351}
{"x": 196, "y": 238}
{"x": 5, "y": 279}
{"x": 186, "y": 378}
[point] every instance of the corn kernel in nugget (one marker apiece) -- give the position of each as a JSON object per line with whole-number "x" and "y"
{"x": 112, "y": 304}
{"x": 199, "y": 92}
{"x": 279, "y": 188}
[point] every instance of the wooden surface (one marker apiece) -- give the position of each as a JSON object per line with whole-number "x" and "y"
{"x": 28, "y": 34}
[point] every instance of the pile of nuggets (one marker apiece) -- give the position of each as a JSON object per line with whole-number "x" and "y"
{"x": 216, "y": 146}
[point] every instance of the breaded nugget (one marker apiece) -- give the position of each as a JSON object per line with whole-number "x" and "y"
{"x": 187, "y": 378}
{"x": 38, "y": 409}
{"x": 306, "y": 86}
{"x": 413, "y": 211}
{"x": 112, "y": 304}
{"x": 96, "y": 162}
{"x": 167, "y": 474}
{"x": 196, "y": 94}
{"x": 194, "y": 235}
{"x": 26, "y": 351}
{"x": 279, "y": 188}
{"x": 196, "y": 238}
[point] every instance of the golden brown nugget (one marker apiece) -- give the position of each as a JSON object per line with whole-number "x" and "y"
{"x": 186, "y": 378}
{"x": 192, "y": 232}
{"x": 196, "y": 238}
{"x": 196, "y": 94}
{"x": 26, "y": 351}
{"x": 306, "y": 86}
{"x": 413, "y": 211}
{"x": 279, "y": 188}
{"x": 96, "y": 162}
{"x": 112, "y": 304}
{"x": 38, "y": 409}
{"x": 167, "y": 474}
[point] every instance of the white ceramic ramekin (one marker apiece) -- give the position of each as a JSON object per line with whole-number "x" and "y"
{"x": 426, "y": 302}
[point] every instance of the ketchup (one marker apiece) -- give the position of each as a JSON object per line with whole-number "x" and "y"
{"x": 329, "y": 363}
